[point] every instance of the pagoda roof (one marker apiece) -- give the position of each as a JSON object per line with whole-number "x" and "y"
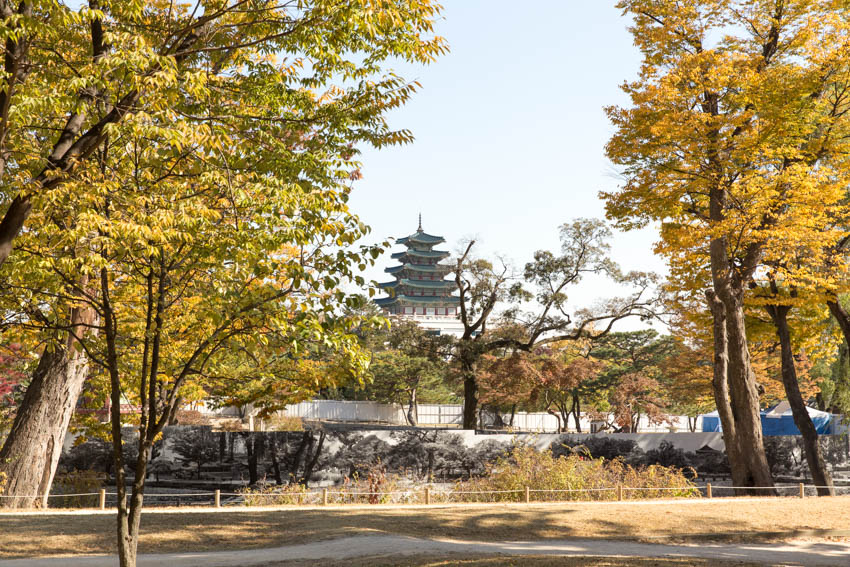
{"x": 426, "y": 268}
{"x": 427, "y": 284}
{"x": 422, "y": 238}
{"x": 420, "y": 254}
{"x": 424, "y": 300}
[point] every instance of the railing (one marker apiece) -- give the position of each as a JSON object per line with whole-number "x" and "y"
{"x": 423, "y": 495}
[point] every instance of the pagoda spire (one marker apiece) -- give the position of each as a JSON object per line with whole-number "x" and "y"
{"x": 420, "y": 223}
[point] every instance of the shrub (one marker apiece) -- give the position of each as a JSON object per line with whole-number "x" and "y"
{"x": 555, "y": 478}
{"x": 191, "y": 417}
{"x": 227, "y": 424}
{"x": 668, "y": 455}
{"x": 92, "y": 454}
{"x": 277, "y": 495}
{"x": 73, "y": 483}
{"x": 599, "y": 447}
{"x": 374, "y": 487}
{"x": 278, "y": 422}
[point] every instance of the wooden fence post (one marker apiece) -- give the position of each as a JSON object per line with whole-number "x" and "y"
{"x": 102, "y": 499}
{"x": 708, "y": 490}
{"x": 217, "y": 498}
{"x": 619, "y": 492}
{"x": 802, "y": 490}
{"x": 527, "y": 495}
{"x": 427, "y": 495}
{"x": 325, "y": 496}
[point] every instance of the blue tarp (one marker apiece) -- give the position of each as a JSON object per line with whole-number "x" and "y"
{"x": 775, "y": 422}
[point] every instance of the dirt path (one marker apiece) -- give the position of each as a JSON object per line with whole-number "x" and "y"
{"x": 812, "y": 554}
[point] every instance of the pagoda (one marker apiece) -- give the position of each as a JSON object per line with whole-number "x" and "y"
{"x": 420, "y": 291}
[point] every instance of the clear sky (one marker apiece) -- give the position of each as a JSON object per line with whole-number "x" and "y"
{"x": 510, "y": 131}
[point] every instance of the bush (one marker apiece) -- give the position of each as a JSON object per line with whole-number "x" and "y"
{"x": 555, "y": 477}
{"x": 599, "y": 447}
{"x": 374, "y": 487}
{"x": 279, "y": 422}
{"x": 191, "y": 417}
{"x": 76, "y": 482}
{"x": 92, "y": 454}
{"x": 278, "y": 495}
{"x": 227, "y": 424}
{"x": 668, "y": 455}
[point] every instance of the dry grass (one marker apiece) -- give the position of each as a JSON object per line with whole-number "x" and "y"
{"x": 514, "y": 561}
{"x": 171, "y": 531}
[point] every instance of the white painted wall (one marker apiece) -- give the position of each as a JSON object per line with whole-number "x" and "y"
{"x": 447, "y": 414}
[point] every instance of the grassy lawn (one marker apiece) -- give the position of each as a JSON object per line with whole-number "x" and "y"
{"x": 669, "y": 521}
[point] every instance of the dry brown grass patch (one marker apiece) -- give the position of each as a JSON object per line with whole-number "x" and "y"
{"x": 654, "y": 521}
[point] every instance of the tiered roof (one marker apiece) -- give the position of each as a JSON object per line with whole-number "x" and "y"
{"x": 419, "y": 276}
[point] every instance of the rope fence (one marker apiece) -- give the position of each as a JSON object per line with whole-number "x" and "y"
{"x": 419, "y": 495}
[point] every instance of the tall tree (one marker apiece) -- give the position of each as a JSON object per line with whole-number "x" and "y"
{"x": 484, "y": 289}
{"x": 779, "y": 308}
{"x": 734, "y": 143}
{"x": 192, "y": 80}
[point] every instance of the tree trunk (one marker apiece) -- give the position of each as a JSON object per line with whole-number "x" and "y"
{"x": 498, "y": 422}
{"x": 275, "y": 461}
{"x": 576, "y": 411}
{"x": 250, "y": 448}
{"x": 744, "y": 397}
{"x": 298, "y": 458}
{"x": 130, "y": 520}
{"x": 552, "y": 412}
{"x": 411, "y": 408}
{"x": 745, "y": 445}
{"x": 842, "y": 317}
{"x": 470, "y": 395}
{"x": 814, "y": 456}
{"x": 746, "y": 457}
{"x": 311, "y": 464}
{"x": 12, "y": 223}
{"x": 720, "y": 387}
{"x": 31, "y": 452}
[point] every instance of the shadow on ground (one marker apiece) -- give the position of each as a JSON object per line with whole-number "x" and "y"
{"x": 164, "y": 532}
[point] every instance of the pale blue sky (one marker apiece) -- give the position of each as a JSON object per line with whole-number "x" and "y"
{"x": 510, "y": 131}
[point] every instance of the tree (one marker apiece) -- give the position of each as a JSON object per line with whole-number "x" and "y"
{"x": 689, "y": 370}
{"x": 811, "y": 448}
{"x": 733, "y": 143}
{"x": 197, "y": 445}
{"x": 190, "y": 82}
{"x": 570, "y": 376}
{"x": 637, "y": 394}
{"x": 399, "y": 378}
{"x": 408, "y": 366}
{"x": 358, "y": 457}
{"x": 193, "y": 250}
{"x": 834, "y": 382}
{"x": 484, "y": 287}
{"x": 508, "y": 382}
